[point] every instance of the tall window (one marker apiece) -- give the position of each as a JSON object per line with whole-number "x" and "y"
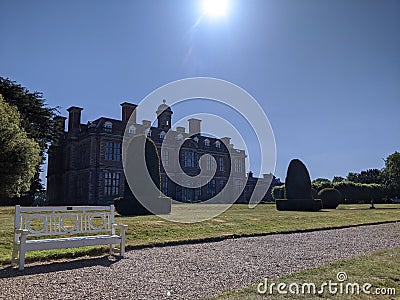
{"x": 238, "y": 186}
{"x": 108, "y": 126}
{"x": 165, "y": 158}
{"x": 111, "y": 183}
{"x": 113, "y": 151}
{"x": 221, "y": 164}
{"x": 210, "y": 163}
{"x": 164, "y": 184}
{"x": 188, "y": 159}
{"x": 237, "y": 165}
{"x": 211, "y": 187}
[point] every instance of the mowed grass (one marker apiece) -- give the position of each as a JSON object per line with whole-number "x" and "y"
{"x": 237, "y": 221}
{"x": 380, "y": 269}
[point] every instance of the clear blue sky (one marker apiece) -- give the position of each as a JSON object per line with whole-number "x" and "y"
{"x": 327, "y": 73}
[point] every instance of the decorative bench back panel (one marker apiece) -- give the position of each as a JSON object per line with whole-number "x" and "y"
{"x": 41, "y": 221}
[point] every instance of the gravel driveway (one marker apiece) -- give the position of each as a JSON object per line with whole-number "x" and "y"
{"x": 193, "y": 271}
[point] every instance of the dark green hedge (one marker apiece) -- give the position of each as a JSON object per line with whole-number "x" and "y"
{"x": 360, "y": 193}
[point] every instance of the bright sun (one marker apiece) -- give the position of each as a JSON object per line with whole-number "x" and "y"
{"x": 215, "y": 8}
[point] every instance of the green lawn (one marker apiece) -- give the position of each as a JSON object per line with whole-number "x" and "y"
{"x": 239, "y": 220}
{"x": 380, "y": 269}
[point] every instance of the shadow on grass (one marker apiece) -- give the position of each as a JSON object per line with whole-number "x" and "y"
{"x": 105, "y": 261}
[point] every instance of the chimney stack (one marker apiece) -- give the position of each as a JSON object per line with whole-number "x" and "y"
{"x": 180, "y": 129}
{"x": 146, "y": 123}
{"x": 194, "y": 126}
{"x": 226, "y": 141}
{"x": 128, "y": 110}
{"x": 74, "y": 119}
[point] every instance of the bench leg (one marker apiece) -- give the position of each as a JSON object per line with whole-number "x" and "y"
{"x": 122, "y": 247}
{"x": 21, "y": 259}
{"x": 111, "y": 249}
{"x": 14, "y": 257}
{"x": 22, "y": 251}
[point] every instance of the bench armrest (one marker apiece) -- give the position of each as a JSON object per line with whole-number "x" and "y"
{"x": 21, "y": 231}
{"x": 120, "y": 227}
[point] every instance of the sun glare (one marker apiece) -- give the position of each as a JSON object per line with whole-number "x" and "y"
{"x": 215, "y": 8}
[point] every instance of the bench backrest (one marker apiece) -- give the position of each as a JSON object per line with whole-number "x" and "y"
{"x": 62, "y": 220}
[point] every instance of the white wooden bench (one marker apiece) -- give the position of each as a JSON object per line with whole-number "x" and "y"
{"x": 44, "y": 228}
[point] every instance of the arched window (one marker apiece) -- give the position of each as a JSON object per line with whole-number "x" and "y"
{"x": 132, "y": 129}
{"x": 162, "y": 135}
{"x": 108, "y": 126}
{"x": 196, "y": 139}
{"x": 207, "y": 142}
{"x": 218, "y": 144}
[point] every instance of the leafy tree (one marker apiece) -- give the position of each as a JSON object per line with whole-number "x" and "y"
{"x": 36, "y": 118}
{"x": 370, "y": 176}
{"x": 19, "y": 154}
{"x": 352, "y": 177}
{"x": 366, "y": 177}
{"x": 391, "y": 175}
{"x": 338, "y": 179}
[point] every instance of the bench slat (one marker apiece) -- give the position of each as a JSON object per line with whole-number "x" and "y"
{"x": 72, "y": 242}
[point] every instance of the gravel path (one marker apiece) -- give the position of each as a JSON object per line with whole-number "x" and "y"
{"x": 193, "y": 271}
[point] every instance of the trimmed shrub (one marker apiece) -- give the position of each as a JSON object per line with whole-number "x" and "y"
{"x": 298, "y": 182}
{"x": 298, "y": 190}
{"x": 299, "y": 204}
{"x": 330, "y": 198}
{"x": 278, "y": 192}
{"x": 314, "y": 193}
{"x": 151, "y": 202}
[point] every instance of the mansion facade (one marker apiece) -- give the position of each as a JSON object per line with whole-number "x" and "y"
{"x": 85, "y": 163}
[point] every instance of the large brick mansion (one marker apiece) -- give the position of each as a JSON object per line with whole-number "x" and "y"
{"x": 85, "y": 164}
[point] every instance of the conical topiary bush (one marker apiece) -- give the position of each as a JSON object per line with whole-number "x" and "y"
{"x": 298, "y": 193}
{"x": 146, "y": 187}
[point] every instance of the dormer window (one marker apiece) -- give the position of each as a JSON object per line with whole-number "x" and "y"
{"x": 179, "y": 137}
{"x": 162, "y": 135}
{"x": 196, "y": 139}
{"x": 132, "y": 129}
{"x": 218, "y": 144}
{"x": 108, "y": 126}
{"x": 207, "y": 143}
{"x": 148, "y": 132}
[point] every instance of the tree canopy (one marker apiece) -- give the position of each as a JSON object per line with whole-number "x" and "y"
{"x": 368, "y": 176}
{"x": 35, "y": 118}
{"x": 19, "y": 154}
{"x": 391, "y": 175}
